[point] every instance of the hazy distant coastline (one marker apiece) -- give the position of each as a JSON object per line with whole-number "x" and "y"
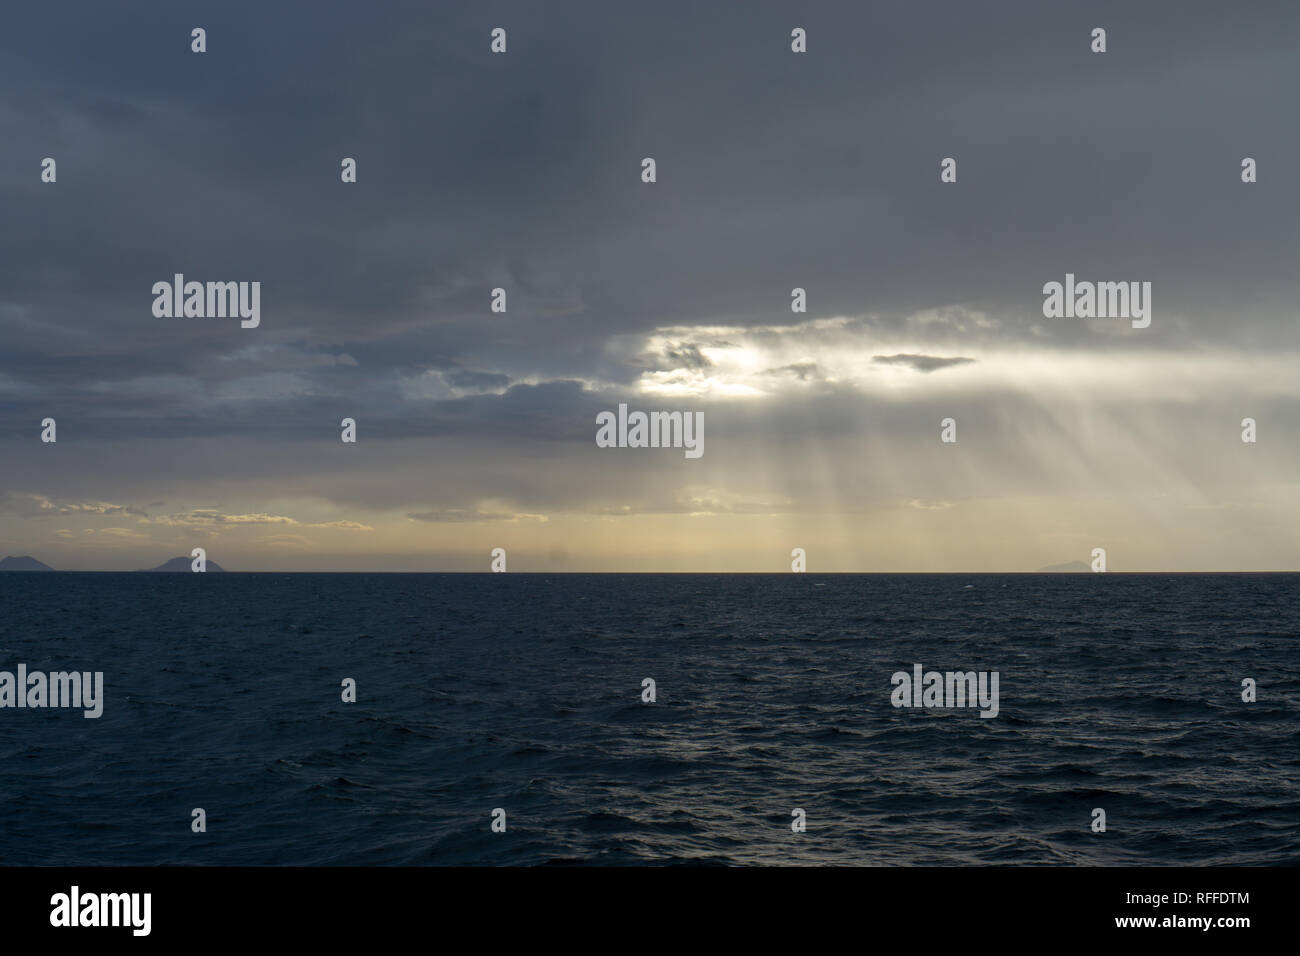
{"x": 28, "y": 563}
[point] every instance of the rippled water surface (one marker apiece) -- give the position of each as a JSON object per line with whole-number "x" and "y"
{"x": 524, "y": 692}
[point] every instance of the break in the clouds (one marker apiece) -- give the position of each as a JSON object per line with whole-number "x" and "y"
{"x": 775, "y": 171}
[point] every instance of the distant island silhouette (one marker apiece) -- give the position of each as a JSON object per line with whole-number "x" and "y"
{"x": 182, "y": 564}
{"x": 24, "y": 563}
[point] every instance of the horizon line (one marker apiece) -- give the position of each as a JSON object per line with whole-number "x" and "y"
{"x": 359, "y": 571}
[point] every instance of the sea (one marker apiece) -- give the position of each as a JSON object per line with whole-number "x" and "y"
{"x": 506, "y": 719}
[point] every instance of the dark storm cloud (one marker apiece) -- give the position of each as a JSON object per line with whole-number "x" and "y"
{"x": 921, "y": 363}
{"x": 686, "y": 356}
{"x": 803, "y": 371}
{"x": 522, "y": 171}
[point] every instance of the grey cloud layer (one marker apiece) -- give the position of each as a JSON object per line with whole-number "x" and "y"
{"x": 522, "y": 171}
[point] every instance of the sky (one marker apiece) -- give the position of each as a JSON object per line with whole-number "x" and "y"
{"x": 775, "y": 170}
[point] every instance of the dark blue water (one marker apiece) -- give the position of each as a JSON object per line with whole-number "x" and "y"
{"x": 524, "y": 692}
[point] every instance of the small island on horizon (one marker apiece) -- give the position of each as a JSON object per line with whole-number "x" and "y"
{"x": 1068, "y": 567}
{"x": 23, "y": 563}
